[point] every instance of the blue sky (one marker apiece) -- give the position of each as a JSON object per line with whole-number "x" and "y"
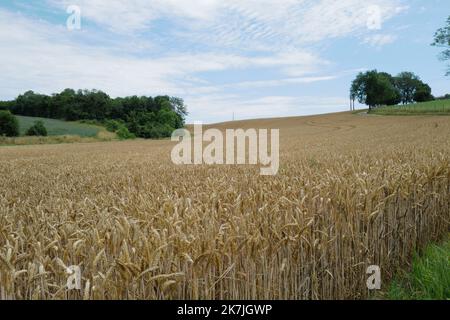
{"x": 253, "y": 58}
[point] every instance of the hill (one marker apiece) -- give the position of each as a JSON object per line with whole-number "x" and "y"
{"x": 436, "y": 107}
{"x": 59, "y": 127}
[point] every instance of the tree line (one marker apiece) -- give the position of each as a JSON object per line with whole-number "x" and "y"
{"x": 375, "y": 89}
{"x": 143, "y": 116}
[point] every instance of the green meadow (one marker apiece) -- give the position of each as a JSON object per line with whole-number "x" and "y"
{"x": 59, "y": 127}
{"x": 436, "y": 107}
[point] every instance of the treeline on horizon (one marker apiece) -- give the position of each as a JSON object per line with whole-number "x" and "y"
{"x": 376, "y": 89}
{"x": 143, "y": 116}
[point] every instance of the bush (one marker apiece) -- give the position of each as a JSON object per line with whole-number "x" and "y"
{"x": 9, "y": 125}
{"x": 118, "y": 127}
{"x": 38, "y": 129}
{"x": 113, "y": 125}
{"x": 124, "y": 134}
{"x": 155, "y": 131}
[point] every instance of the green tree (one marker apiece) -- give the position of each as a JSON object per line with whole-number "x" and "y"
{"x": 407, "y": 84}
{"x": 394, "y": 97}
{"x": 143, "y": 116}
{"x": 113, "y": 125}
{"x": 37, "y": 129}
{"x": 423, "y": 93}
{"x": 374, "y": 89}
{"x": 442, "y": 40}
{"x": 9, "y": 125}
{"x": 124, "y": 134}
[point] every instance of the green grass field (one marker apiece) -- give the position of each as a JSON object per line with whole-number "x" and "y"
{"x": 60, "y": 128}
{"x": 437, "y": 107}
{"x": 429, "y": 278}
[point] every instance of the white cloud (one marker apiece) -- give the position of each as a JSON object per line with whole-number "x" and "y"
{"x": 250, "y": 24}
{"x": 379, "y": 40}
{"x": 217, "y": 108}
{"x": 181, "y": 48}
{"x": 36, "y": 55}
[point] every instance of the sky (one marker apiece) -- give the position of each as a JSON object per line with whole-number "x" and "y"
{"x": 226, "y": 58}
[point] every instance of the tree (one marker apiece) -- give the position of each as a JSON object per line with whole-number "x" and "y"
{"x": 407, "y": 84}
{"x": 412, "y": 89}
{"x": 442, "y": 40}
{"x": 394, "y": 97}
{"x": 374, "y": 89}
{"x": 37, "y": 129}
{"x": 143, "y": 116}
{"x": 9, "y": 125}
{"x": 124, "y": 134}
{"x": 423, "y": 93}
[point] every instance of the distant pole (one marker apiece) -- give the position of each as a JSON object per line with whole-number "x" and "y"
{"x": 233, "y": 116}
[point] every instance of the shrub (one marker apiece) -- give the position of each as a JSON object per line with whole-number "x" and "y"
{"x": 9, "y": 125}
{"x": 113, "y": 125}
{"x": 38, "y": 129}
{"x": 155, "y": 131}
{"x": 124, "y": 134}
{"x": 119, "y": 128}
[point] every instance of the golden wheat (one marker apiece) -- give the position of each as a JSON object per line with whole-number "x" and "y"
{"x": 352, "y": 191}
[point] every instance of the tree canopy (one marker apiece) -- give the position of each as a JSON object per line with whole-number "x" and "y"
{"x": 442, "y": 39}
{"x": 142, "y": 116}
{"x": 375, "y": 88}
{"x": 9, "y": 125}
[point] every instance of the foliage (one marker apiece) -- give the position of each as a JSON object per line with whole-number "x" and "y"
{"x": 137, "y": 113}
{"x": 442, "y": 39}
{"x": 124, "y": 134}
{"x": 376, "y": 89}
{"x": 444, "y": 97}
{"x": 113, "y": 125}
{"x": 423, "y": 93}
{"x": 436, "y": 107}
{"x": 9, "y": 125}
{"x": 37, "y": 129}
{"x": 119, "y": 128}
{"x": 429, "y": 277}
{"x": 407, "y": 83}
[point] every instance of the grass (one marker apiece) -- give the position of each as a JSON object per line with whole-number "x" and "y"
{"x": 351, "y": 192}
{"x": 59, "y": 127}
{"x": 102, "y": 136}
{"x": 437, "y": 107}
{"x": 429, "y": 278}
{"x": 58, "y": 132}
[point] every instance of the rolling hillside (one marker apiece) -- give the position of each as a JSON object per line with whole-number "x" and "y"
{"x": 436, "y": 107}
{"x": 59, "y": 128}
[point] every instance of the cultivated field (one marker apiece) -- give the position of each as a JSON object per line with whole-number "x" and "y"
{"x": 59, "y": 128}
{"x": 352, "y": 191}
{"x": 58, "y": 132}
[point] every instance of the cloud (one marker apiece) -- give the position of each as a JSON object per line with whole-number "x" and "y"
{"x": 251, "y": 24}
{"x": 379, "y": 40}
{"x": 38, "y": 56}
{"x": 198, "y": 49}
{"x": 216, "y": 108}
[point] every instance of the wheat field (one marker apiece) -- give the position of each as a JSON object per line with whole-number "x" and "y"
{"x": 352, "y": 191}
